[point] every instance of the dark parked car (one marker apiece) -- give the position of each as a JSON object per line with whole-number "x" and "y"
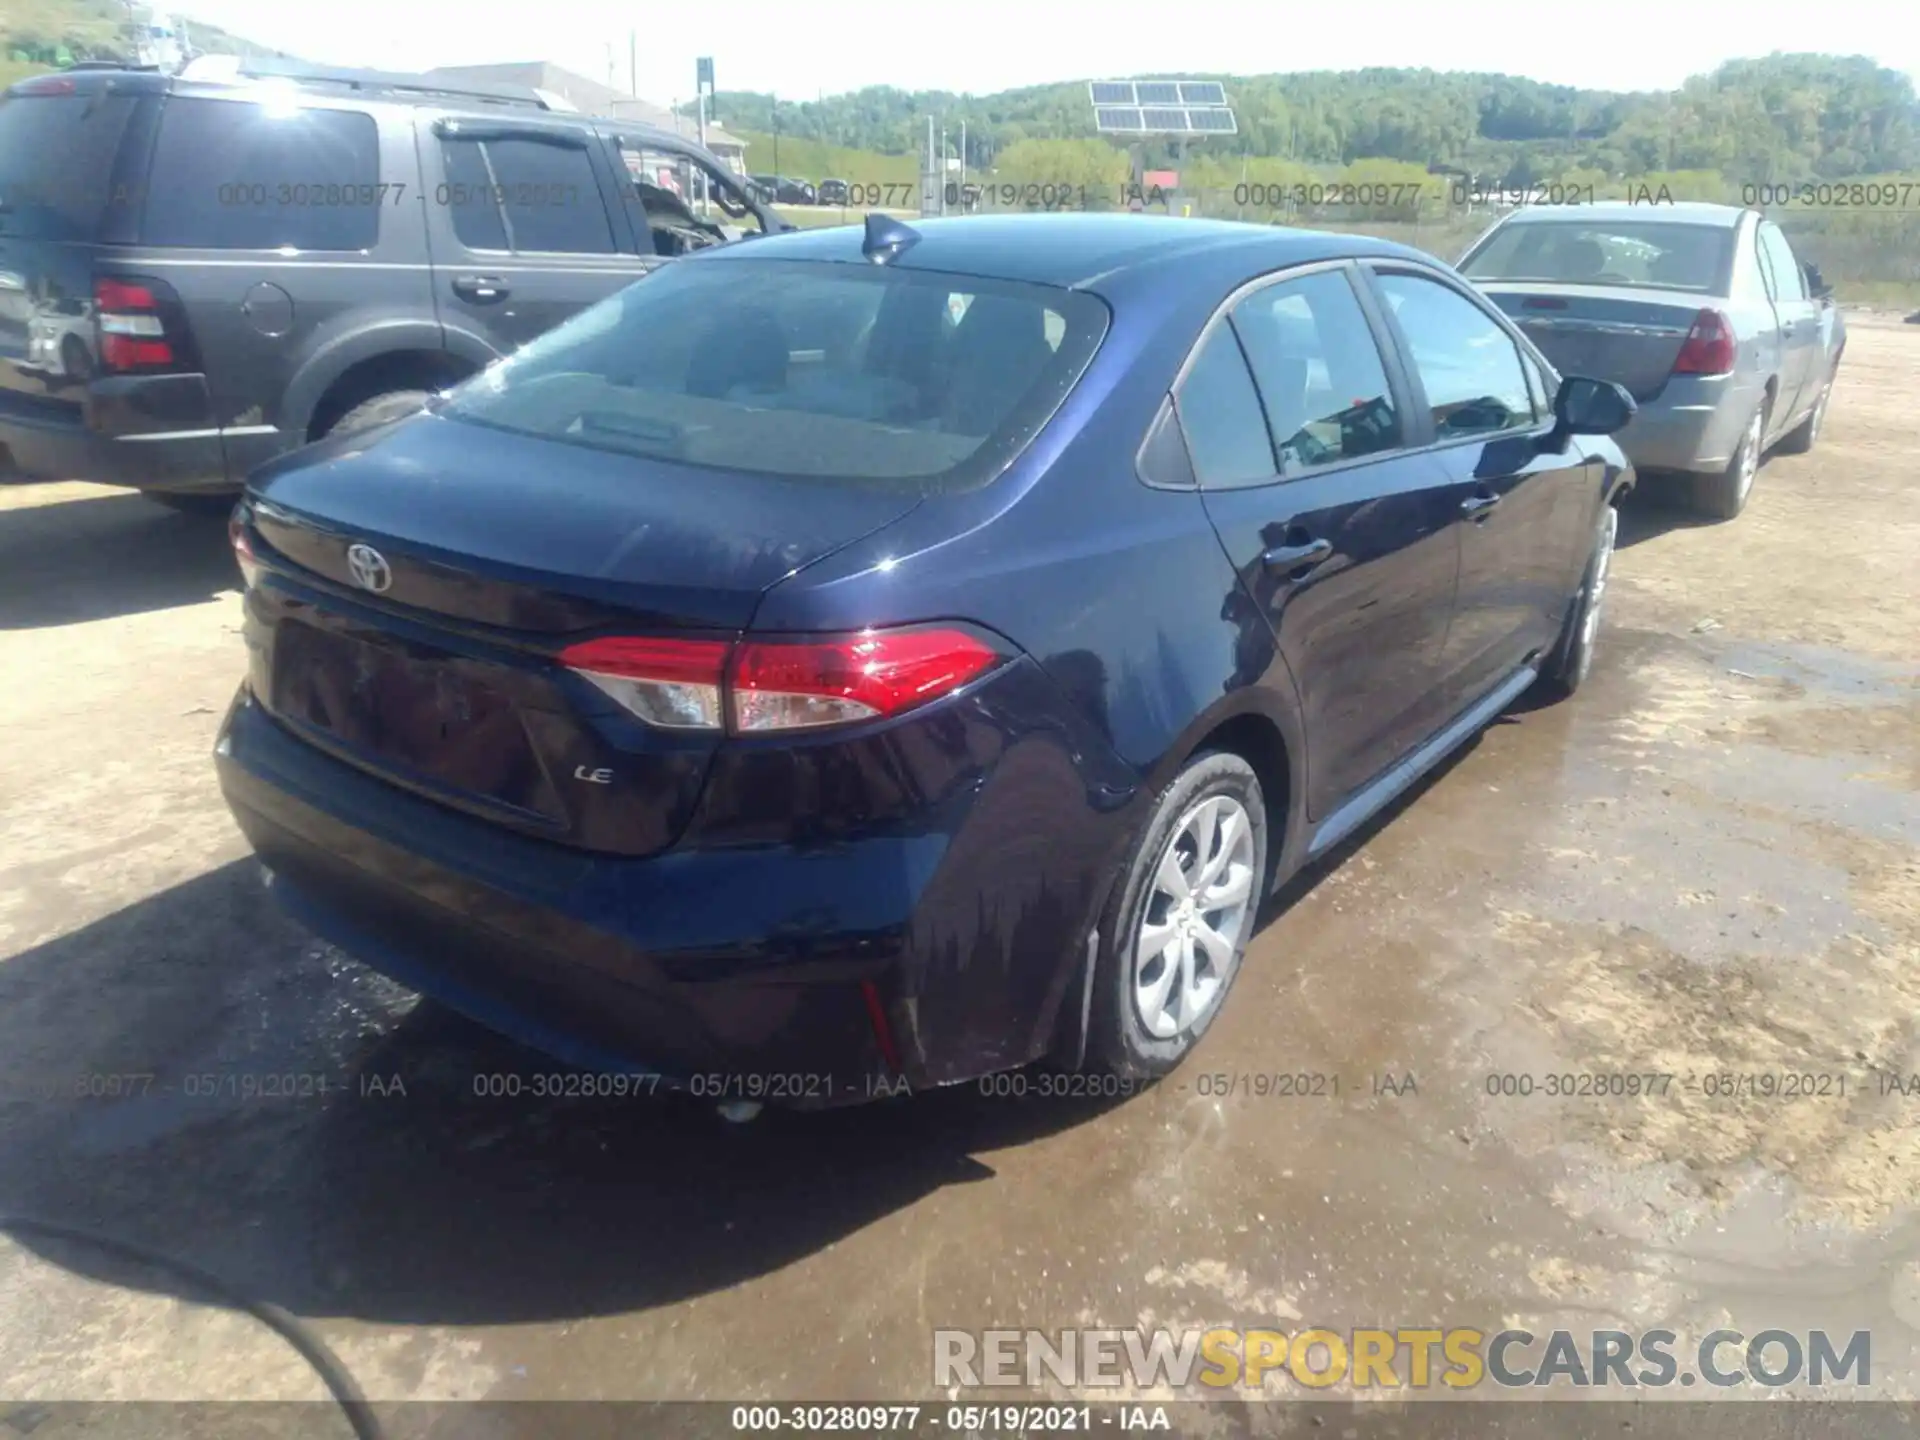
{"x": 1728, "y": 341}
{"x": 197, "y": 275}
{"x": 834, "y": 192}
{"x": 858, "y": 659}
{"x": 783, "y": 190}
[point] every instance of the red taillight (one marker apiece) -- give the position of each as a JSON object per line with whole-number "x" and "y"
{"x": 1708, "y": 348}
{"x": 762, "y": 686}
{"x": 243, "y": 555}
{"x": 46, "y": 85}
{"x": 133, "y": 336}
{"x": 121, "y": 295}
{"x": 798, "y": 684}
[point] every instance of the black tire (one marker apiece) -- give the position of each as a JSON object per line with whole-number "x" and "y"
{"x": 394, "y": 405}
{"x": 1119, "y": 1041}
{"x": 218, "y": 503}
{"x": 1723, "y": 495}
{"x": 1571, "y": 658}
{"x": 1802, "y": 437}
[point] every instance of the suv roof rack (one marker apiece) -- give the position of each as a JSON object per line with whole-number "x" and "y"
{"x": 392, "y": 82}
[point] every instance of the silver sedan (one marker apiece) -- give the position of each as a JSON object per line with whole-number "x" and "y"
{"x": 1703, "y": 312}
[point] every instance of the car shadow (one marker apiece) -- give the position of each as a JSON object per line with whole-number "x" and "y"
{"x": 195, "y": 1074}
{"x": 105, "y": 554}
{"x": 1649, "y": 512}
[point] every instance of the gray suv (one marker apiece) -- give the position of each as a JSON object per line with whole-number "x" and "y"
{"x": 196, "y": 276}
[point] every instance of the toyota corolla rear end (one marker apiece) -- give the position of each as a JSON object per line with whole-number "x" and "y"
{"x": 509, "y": 732}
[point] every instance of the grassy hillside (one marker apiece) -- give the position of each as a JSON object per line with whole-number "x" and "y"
{"x": 816, "y": 160}
{"x": 37, "y": 35}
{"x": 1787, "y": 117}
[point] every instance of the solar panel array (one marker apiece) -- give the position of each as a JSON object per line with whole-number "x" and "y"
{"x": 1160, "y": 107}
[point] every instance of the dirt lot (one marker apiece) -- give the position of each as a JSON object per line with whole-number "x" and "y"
{"x": 1708, "y": 864}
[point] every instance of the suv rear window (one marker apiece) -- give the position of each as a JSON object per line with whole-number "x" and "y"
{"x": 234, "y": 175}
{"x": 814, "y": 371}
{"x": 1654, "y": 255}
{"x": 56, "y": 162}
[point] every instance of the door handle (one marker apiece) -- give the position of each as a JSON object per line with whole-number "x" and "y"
{"x": 481, "y": 289}
{"x": 1297, "y": 558}
{"x": 1478, "y": 506}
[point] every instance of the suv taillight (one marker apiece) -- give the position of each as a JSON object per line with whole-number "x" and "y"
{"x": 762, "y": 686}
{"x": 1708, "y": 348}
{"x": 132, "y": 329}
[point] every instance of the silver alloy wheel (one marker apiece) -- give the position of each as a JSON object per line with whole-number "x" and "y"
{"x": 1597, "y": 589}
{"x": 1203, "y": 889}
{"x": 1750, "y": 453}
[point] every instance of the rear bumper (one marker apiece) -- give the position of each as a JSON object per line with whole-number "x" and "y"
{"x": 1694, "y": 424}
{"x": 147, "y": 432}
{"x": 733, "y": 972}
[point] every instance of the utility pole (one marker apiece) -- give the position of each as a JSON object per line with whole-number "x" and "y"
{"x": 773, "y": 109}
{"x": 942, "y": 176}
{"x": 703, "y": 83}
{"x": 928, "y": 203}
{"x": 633, "y": 64}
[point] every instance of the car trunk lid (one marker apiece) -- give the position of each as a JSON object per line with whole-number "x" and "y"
{"x": 437, "y": 569}
{"x": 1629, "y": 335}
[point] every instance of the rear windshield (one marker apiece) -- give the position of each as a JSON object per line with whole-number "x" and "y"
{"x": 56, "y": 162}
{"x": 814, "y": 371}
{"x": 1653, "y": 255}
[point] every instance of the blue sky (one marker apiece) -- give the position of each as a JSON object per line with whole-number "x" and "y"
{"x": 798, "y": 48}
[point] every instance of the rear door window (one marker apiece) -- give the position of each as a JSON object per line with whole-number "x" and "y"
{"x": 1220, "y": 414}
{"x": 56, "y": 162}
{"x": 235, "y": 175}
{"x": 1786, "y": 270}
{"x": 524, "y": 195}
{"x": 809, "y": 371}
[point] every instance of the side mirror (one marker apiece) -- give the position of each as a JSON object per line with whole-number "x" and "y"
{"x": 1817, "y": 285}
{"x": 1591, "y": 407}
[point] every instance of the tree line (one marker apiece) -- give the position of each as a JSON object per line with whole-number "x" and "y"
{"x": 1780, "y": 119}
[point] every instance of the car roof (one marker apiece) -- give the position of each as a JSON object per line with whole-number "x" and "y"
{"x": 1685, "y": 212}
{"x": 1076, "y": 250}
{"x": 454, "y": 100}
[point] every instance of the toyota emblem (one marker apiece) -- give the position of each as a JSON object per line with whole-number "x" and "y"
{"x": 369, "y": 567}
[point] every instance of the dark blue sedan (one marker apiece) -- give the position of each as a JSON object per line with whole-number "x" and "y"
{"x": 864, "y": 660}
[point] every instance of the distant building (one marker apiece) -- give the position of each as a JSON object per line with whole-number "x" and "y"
{"x": 593, "y": 98}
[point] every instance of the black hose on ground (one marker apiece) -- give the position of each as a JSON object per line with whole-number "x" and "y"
{"x": 289, "y": 1327}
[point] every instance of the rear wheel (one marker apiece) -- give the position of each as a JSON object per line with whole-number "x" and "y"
{"x": 1724, "y": 495}
{"x": 1572, "y": 655}
{"x": 1801, "y": 440}
{"x": 394, "y": 405}
{"x": 1179, "y": 922}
